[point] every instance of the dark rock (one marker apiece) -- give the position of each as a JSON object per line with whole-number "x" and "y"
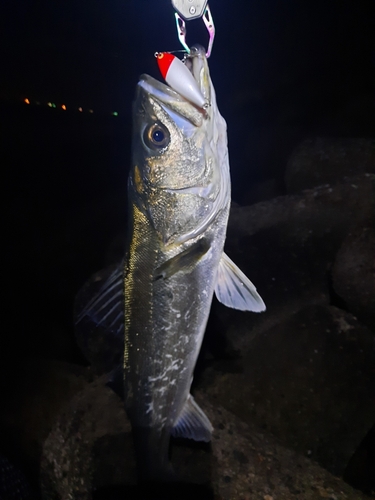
{"x": 321, "y": 161}
{"x": 309, "y": 380}
{"x": 89, "y": 454}
{"x": 88, "y": 433}
{"x": 354, "y": 273}
{"x": 360, "y": 470}
{"x": 30, "y": 403}
{"x": 271, "y": 472}
{"x": 287, "y": 247}
{"x": 13, "y": 483}
{"x": 354, "y": 118}
{"x": 262, "y": 190}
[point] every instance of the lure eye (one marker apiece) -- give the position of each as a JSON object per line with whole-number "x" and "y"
{"x": 157, "y": 136}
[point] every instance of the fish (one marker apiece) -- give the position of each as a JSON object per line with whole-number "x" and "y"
{"x": 158, "y": 299}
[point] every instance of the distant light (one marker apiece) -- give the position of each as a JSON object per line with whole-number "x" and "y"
{"x": 91, "y": 111}
{"x": 27, "y": 101}
{"x": 80, "y": 109}
{"x": 49, "y": 104}
{"x": 53, "y": 105}
{"x": 114, "y": 113}
{"x": 37, "y": 103}
{"x": 63, "y": 107}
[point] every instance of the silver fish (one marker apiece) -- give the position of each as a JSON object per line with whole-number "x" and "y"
{"x": 179, "y": 195}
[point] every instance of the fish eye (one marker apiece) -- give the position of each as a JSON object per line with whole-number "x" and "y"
{"x": 156, "y": 136}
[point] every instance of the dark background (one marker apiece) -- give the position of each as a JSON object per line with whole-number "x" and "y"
{"x": 283, "y": 71}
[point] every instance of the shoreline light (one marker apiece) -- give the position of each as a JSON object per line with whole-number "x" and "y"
{"x": 64, "y": 107}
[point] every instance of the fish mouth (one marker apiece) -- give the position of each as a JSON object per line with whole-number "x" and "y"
{"x": 196, "y": 62}
{"x": 151, "y": 89}
{"x": 158, "y": 90}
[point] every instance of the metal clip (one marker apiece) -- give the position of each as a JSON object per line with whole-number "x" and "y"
{"x": 209, "y": 22}
{"x": 181, "y": 26}
{"x": 190, "y": 9}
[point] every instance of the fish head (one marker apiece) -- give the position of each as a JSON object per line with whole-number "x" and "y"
{"x": 180, "y": 173}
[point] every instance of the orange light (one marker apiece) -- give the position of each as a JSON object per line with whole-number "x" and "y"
{"x": 80, "y": 109}
{"x": 63, "y": 107}
{"x": 27, "y": 101}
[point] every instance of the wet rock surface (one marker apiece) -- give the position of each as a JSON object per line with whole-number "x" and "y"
{"x": 13, "y": 483}
{"x": 309, "y": 380}
{"x": 89, "y": 454}
{"x": 287, "y": 247}
{"x": 30, "y": 405}
{"x": 354, "y": 273}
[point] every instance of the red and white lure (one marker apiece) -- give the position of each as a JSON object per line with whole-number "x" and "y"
{"x": 178, "y": 76}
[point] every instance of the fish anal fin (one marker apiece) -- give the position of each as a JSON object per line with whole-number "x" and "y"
{"x": 234, "y": 289}
{"x": 192, "y": 423}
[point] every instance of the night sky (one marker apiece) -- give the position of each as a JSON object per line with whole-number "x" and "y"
{"x": 90, "y": 53}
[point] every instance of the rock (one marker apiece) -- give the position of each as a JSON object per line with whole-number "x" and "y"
{"x": 354, "y": 273}
{"x": 322, "y": 160}
{"x": 309, "y": 380}
{"x": 38, "y": 391}
{"x": 89, "y": 455}
{"x": 287, "y": 247}
{"x": 13, "y": 483}
{"x": 262, "y": 190}
{"x": 360, "y": 470}
{"x": 252, "y": 465}
{"x": 354, "y": 118}
{"x": 91, "y": 431}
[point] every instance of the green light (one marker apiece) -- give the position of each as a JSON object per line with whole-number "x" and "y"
{"x": 53, "y": 105}
{"x": 114, "y": 113}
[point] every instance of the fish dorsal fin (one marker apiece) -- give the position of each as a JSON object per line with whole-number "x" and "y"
{"x": 192, "y": 423}
{"x": 234, "y": 289}
{"x": 106, "y": 308}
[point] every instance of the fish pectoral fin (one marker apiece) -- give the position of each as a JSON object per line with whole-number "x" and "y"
{"x": 234, "y": 289}
{"x": 192, "y": 423}
{"x": 183, "y": 261}
{"x": 107, "y": 306}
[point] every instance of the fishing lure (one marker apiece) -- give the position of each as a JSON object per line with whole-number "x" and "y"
{"x": 178, "y": 76}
